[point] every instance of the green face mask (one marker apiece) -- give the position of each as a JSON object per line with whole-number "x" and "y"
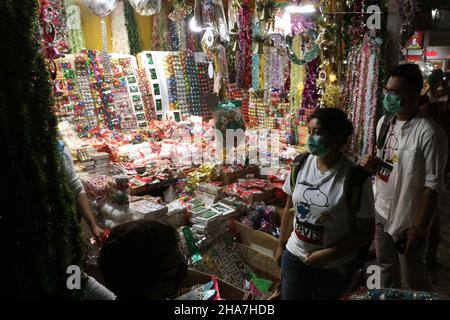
{"x": 392, "y": 103}
{"x": 316, "y": 146}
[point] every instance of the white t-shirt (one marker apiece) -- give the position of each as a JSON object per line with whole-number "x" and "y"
{"x": 321, "y": 214}
{"x": 96, "y": 291}
{"x": 422, "y": 156}
{"x": 387, "y": 173}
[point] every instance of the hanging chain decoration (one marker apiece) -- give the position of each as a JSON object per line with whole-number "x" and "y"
{"x": 106, "y": 61}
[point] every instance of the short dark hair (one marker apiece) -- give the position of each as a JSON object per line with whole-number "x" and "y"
{"x": 334, "y": 120}
{"x": 135, "y": 257}
{"x": 411, "y": 74}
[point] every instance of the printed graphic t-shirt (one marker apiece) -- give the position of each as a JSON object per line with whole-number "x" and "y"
{"x": 321, "y": 215}
{"x": 387, "y": 172}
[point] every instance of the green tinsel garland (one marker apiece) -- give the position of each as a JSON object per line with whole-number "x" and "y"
{"x": 39, "y": 230}
{"x": 134, "y": 38}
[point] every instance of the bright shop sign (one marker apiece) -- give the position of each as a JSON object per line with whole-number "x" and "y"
{"x": 437, "y": 53}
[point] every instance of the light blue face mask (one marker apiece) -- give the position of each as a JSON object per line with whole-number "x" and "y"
{"x": 392, "y": 103}
{"x": 316, "y": 146}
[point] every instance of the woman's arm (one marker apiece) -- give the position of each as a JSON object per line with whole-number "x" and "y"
{"x": 286, "y": 228}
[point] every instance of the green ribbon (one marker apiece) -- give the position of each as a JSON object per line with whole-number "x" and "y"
{"x": 263, "y": 285}
{"x": 193, "y": 250}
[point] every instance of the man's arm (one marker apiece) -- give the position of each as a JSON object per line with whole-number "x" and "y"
{"x": 88, "y": 214}
{"x": 435, "y": 150}
{"x": 427, "y": 209}
{"x": 76, "y": 186}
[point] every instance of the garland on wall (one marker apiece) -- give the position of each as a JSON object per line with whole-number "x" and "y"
{"x": 120, "y": 43}
{"x": 361, "y": 94}
{"x": 38, "y": 240}
{"x": 134, "y": 38}
{"x": 55, "y": 14}
{"x": 75, "y": 32}
{"x": 244, "y": 59}
{"x": 160, "y": 29}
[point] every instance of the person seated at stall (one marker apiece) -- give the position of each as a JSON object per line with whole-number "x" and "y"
{"x": 142, "y": 260}
{"x": 76, "y": 186}
{"x": 322, "y": 234}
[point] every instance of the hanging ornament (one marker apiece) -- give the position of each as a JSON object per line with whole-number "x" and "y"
{"x": 146, "y": 7}
{"x": 180, "y": 11}
{"x": 208, "y": 40}
{"x": 103, "y": 9}
{"x": 210, "y": 70}
{"x": 310, "y": 53}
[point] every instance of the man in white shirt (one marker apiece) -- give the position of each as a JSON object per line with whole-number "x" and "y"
{"x": 409, "y": 166}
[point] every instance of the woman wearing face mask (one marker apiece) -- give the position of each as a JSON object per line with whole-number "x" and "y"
{"x": 319, "y": 237}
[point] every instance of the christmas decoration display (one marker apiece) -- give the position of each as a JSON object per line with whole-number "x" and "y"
{"x": 120, "y": 41}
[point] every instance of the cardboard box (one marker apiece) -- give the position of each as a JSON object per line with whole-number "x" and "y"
{"x": 262, "y": 264}
{"x": 263, "y": 196}
{"x": 232, "y": 177}
{"x": 207, "y": 198}
{"x": 227, "y": 290}
{"x": 100, "y": 156}
{"x": 210, "y": 188}
{"x": 257, "y": 240}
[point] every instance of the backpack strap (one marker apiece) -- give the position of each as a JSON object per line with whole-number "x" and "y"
{"x": 355, "y": 186}
{"x": 354, "y": 191}
{"x": 384, "y": 129}
{"x": 297, "y": 164}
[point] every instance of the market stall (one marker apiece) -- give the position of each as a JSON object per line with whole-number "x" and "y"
{"x": 146, "y": 126}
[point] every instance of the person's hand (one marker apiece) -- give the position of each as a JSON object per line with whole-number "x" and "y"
{"x": 412, "y": 237}
{"x": 318, "y": 258}
{"x": 97, "y": 232}
{"x": 279, "y": 254}
{"x": 276, "y": 295}
{"x": 370, "y": 163}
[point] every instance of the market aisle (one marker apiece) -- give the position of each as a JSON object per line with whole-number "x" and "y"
{"x": 441, "y": 275}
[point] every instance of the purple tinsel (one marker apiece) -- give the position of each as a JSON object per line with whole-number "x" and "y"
{"x": 310, "y": 94}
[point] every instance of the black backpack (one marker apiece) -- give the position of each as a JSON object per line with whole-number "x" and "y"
{"x": 354, "y": 189}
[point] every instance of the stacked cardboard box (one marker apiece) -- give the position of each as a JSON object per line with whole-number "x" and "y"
{"x": 101, "y": 162}
{"x": 148, "y": 210}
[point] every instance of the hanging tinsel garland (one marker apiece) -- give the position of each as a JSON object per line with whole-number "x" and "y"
{"x": 244, "y": 71}
{"x": 56, "y": 13}
{"x": 296, "y": 78}
{"x": 120, "y": 42}
{"x": 134, "y": 38}
{"x": 160, "y": 37}
{"x": 256, "y": 56}
{"x": 310, "y": 94}
{"x": 75, "y": 36}
{"x": 39, "y": 233}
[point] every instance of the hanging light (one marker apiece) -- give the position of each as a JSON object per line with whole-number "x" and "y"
{"x": 193, "y": 25}
{"x": 303, "y": 8}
